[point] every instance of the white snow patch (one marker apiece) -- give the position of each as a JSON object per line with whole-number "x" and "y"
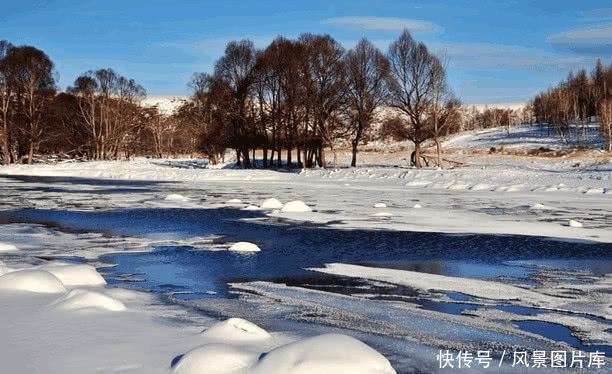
{"x": 234, "y": 201}
{"x": 328, "y": 353}
{"x": 244, "y": 247}
{"x": 215, "y": 359}
{"x": 251, "y": 207}
{"x": 380, "y": 205}
{"x": 75, "y": 275}
{"x": 271, "y": 203}
{"x": 573, "y": 223}
{"x": 176, "y": 197}
{"x": 6, "y": 247}
{"x": 33, "y": 281}
{"x": 417, "y": 206}
{"x": 539, "y": 206}
{"x": 79, "y": 299}
{"x": 382, "y": 214}
{"x": 296, "y": 206}
{"x": 236, "y": 329}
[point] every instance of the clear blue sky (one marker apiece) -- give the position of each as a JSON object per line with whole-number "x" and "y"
{"x": 499, "y": 51}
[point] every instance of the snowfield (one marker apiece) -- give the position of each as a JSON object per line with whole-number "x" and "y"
{"x": 64, "y": 308}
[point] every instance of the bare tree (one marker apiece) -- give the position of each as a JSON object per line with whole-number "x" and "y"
{"x": 327, "y": 90}
{"x": 29, "y": 72}
{"x": 108, "y": 105}
{"x": 413, "y": 86}
{"x": 235, "y": 68}
{"x": 6, "y": 96}
{"x": 368, "y": 72}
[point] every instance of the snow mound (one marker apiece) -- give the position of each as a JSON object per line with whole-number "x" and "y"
{"x": 572, "y": 223}
{"x": 271, "y": 203}
{"x": 417, "y": 206}
{"x": 176, "y": 197}
{"x": 328, "y": 353}
{"x": 382, "y": 214}
{"x": 538, "y": 206}
{"x": 244, "y": 247}
{"x": 296, "y": 206}
{"x": 251, "y": 207}
{"x": 215, "y": 359}
{"x": 33, "y": 281}
{"x": 236, "y": 329}
{"x": 234, "y": 201}
{"x": 380, "y": 205}
{"x": 75, "y": 275}
{"x": 6, "y": 247}
{"x": 82, "y": 299}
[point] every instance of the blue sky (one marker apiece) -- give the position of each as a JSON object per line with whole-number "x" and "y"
{"x": 499, "y": 51}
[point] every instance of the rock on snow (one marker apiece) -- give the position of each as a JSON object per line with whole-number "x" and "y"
{"x": 33, "y": 281}
{"x": 244, "y": 247}
{"x": 296, "y": 206}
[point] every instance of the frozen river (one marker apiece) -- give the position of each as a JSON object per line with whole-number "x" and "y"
{"x": 179, "y": 251}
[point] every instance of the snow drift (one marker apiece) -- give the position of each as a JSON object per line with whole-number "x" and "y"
{"x": 75, "y": 275}
{"x": 82, "y": 299}
{"x": 32, "y": 281}
{"x": 271, "y": 203}
{"x": 323, "y": 354}
{"x": 244, "y": 247}
{"x": 296, "y": 206}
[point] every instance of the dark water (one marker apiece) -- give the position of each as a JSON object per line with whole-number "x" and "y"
{"x": 288, "y": 248}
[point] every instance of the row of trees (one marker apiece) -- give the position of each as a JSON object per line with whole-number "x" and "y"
{"x": 307, "y": 95}
{"x": 578, "y": 98}
{"x": 98, "y": 117}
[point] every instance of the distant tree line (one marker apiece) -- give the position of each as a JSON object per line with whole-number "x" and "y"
{"x": 302, "y": 97}
{"x": 578, "y": 98}
{"x": 287, "y": 104}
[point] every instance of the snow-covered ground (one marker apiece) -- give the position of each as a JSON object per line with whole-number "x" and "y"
{"x": 61, "y": 317}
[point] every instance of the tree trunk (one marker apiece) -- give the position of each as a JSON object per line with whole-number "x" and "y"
{"x": 289, "y": 158}
{"x": 322, "y": 161}
{"x": 417, "y": 152}
{"x": 5, "y": 144}
{"x": 354, "y": 159}
{"x": 246, "y": 161}
{"x": 30, "y": 153}
{"x": 265, "y": 158}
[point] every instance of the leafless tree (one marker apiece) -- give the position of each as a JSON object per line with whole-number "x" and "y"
{"x": 327, "y": 87}
{"x": 236, "y": 69}
{"x": 108, "y": 105}
{"x": 368, "y": 73}
{"x": 413, "y": 88}
{"x": 29, "y": 71}
{"x": 6, "y": 96}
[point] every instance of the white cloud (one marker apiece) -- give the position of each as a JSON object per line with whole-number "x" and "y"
{"x": 384, "y": 24}
{"x": 498, "y": 56}
{"x": 592, "y": 40}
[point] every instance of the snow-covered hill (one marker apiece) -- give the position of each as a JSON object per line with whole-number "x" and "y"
{"x": 167, "y": 104}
